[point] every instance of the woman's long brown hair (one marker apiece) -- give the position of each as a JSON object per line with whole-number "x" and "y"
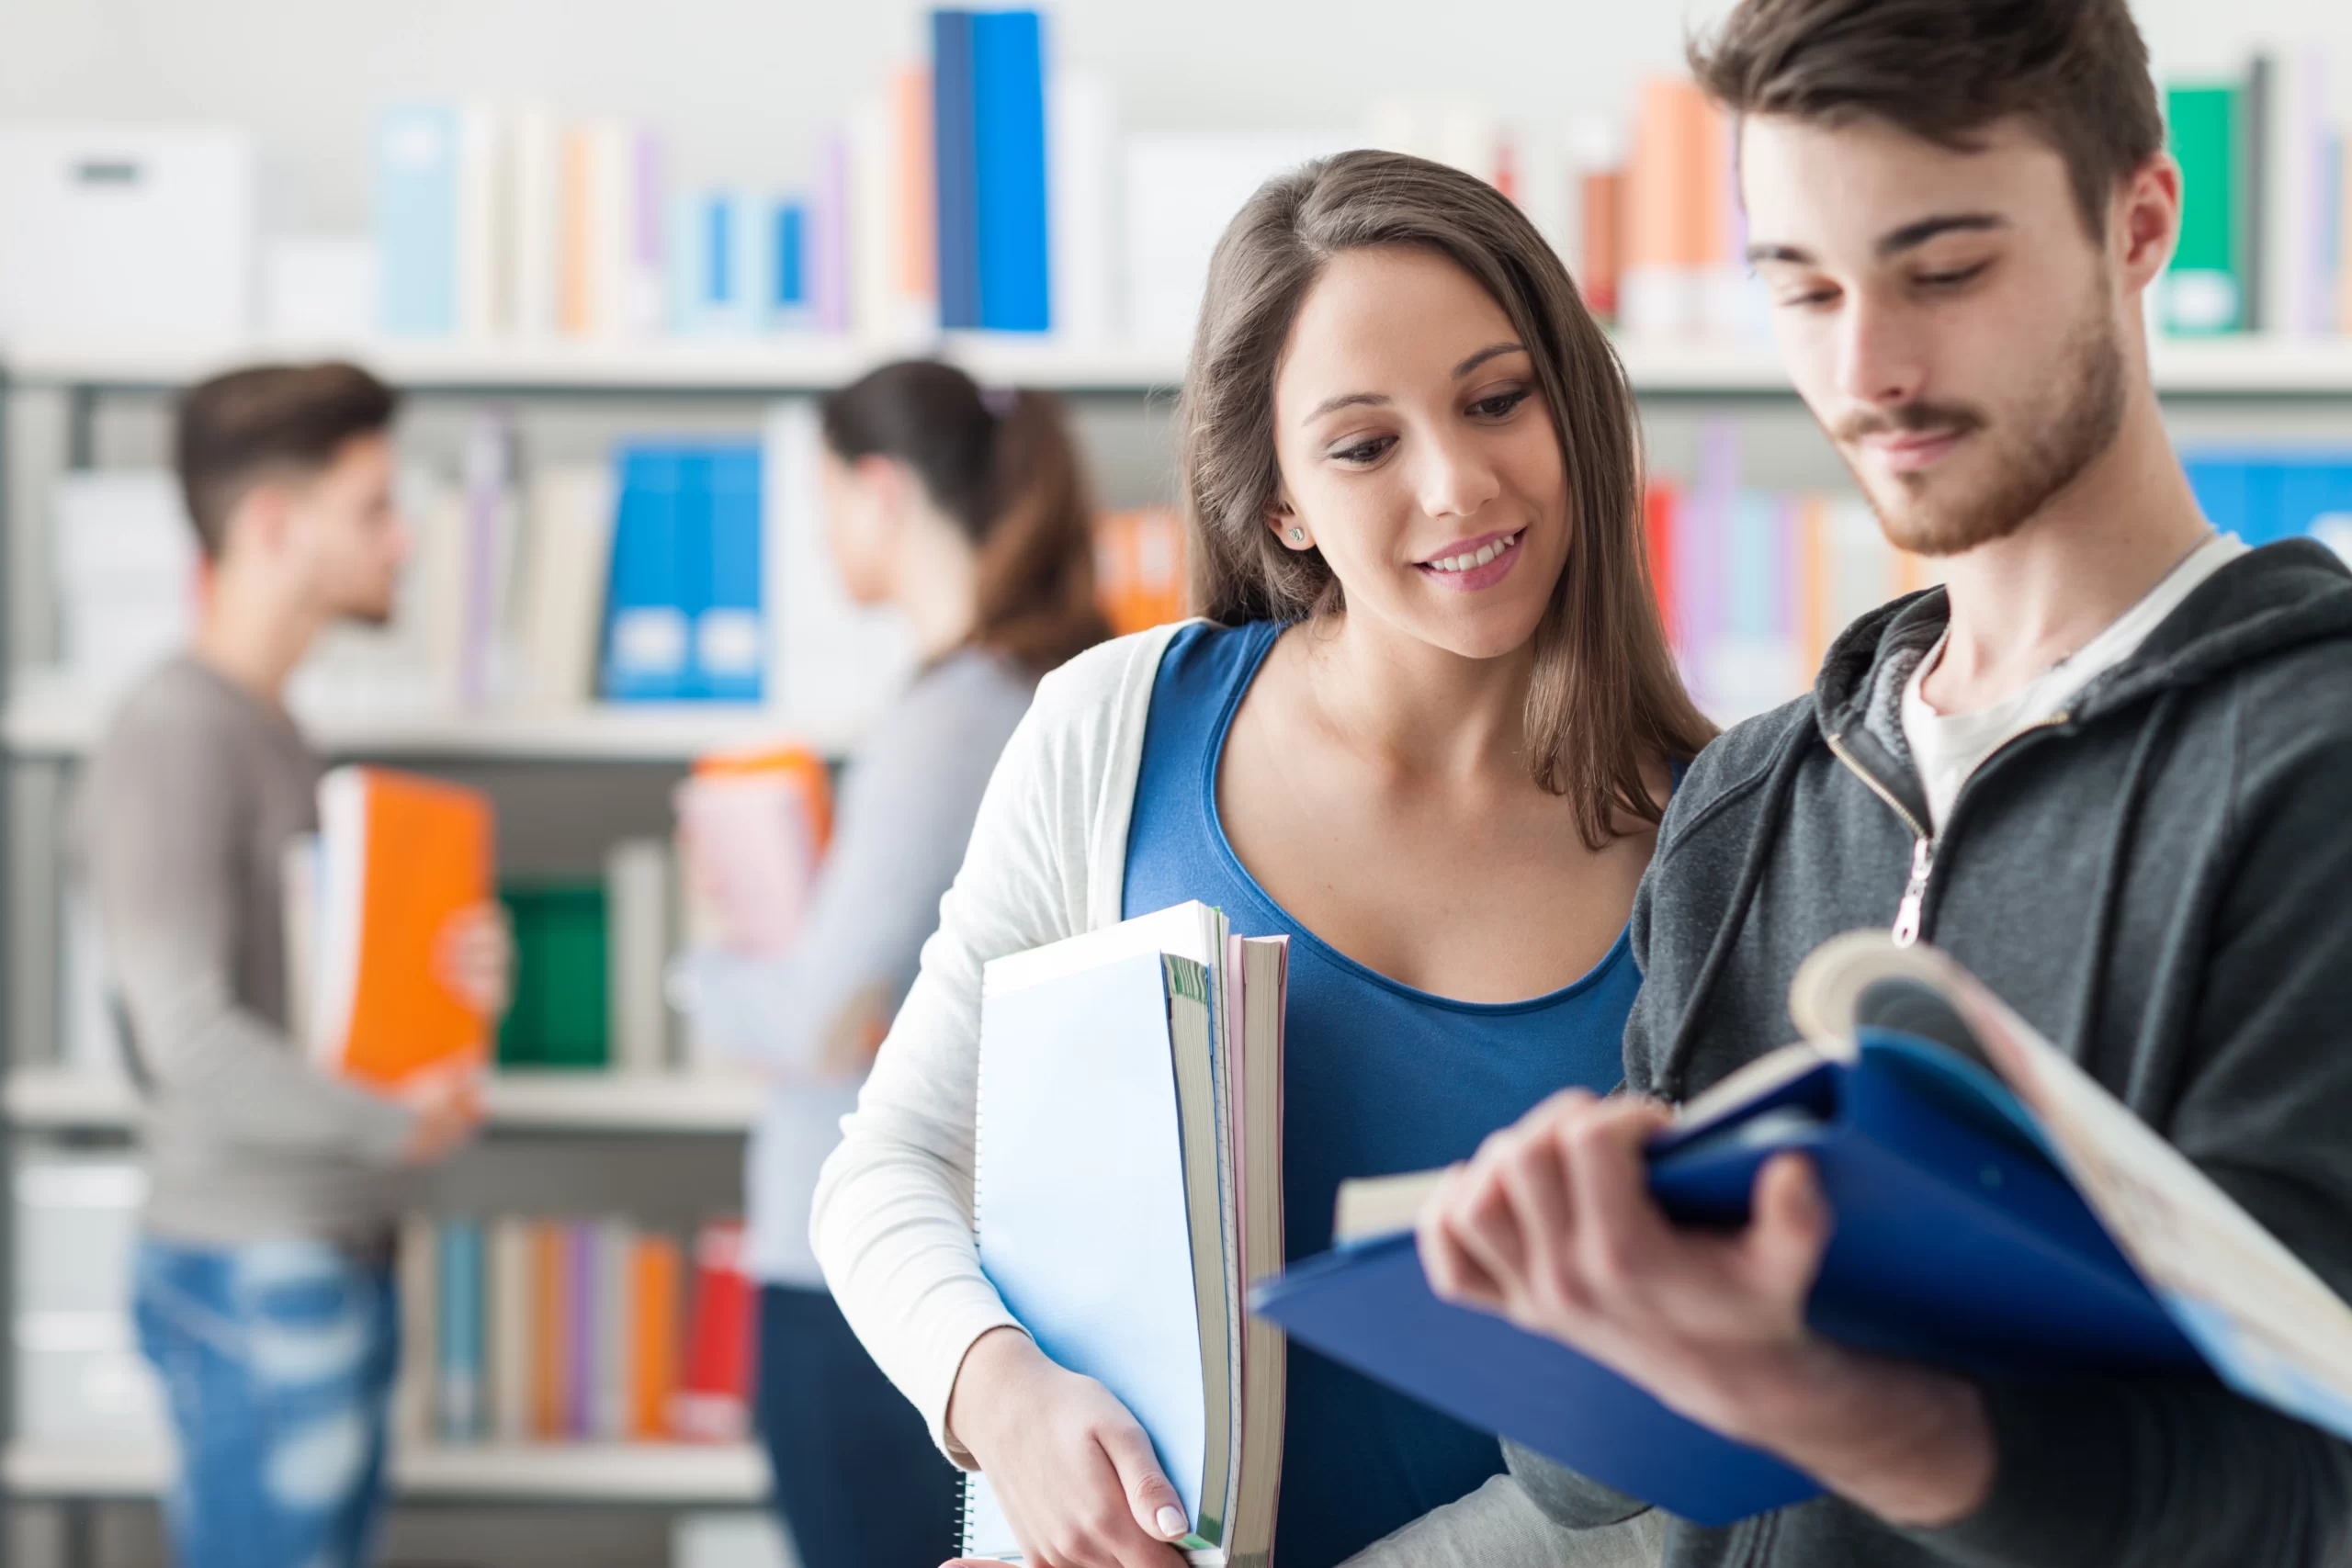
{"x": 1606, "y": 697}
{"x": 1003, "y": 468}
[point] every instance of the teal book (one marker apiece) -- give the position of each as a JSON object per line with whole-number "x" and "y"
{"x": 2205, "y": 287}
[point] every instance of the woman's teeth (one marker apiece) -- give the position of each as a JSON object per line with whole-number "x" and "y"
{"x": 1475, "y": 560}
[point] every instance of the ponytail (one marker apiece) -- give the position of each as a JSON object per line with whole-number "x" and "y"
{"x": 1009, "y": 476}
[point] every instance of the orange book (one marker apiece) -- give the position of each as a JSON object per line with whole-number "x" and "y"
{"x": 1600, "y": 200}
{"x": 655, "y": 1276}
{"x": 576, "y": 302}
{"x": 918, "y": 262}
{"x": 1668, "y": 221}
{"x": 400, "y": 856}
{"x": 1816, "y": 614}
{"x": 550, "y": 1351}
{"x": 1139, "y": 568}
{"x": 754, "y": 828}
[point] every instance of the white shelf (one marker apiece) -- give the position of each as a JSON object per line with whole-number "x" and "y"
{"x": 586, "y": 1101}
{"x": 777, "y": 364}
{"x": 2241, "y": 366}
{"x": 49, "y": 716}
{"x": 652, "y": 1474}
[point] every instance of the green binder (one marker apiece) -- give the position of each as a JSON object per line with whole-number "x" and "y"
{"x": 558, "y": 1016}
{"x": 2204, "y": 291}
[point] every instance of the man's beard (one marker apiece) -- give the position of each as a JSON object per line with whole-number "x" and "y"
{"x": 2058, "y": 436}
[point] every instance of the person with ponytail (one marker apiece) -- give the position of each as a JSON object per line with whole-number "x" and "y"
{"x": 968, "y": 510}
{"x": 1426, "y": 730}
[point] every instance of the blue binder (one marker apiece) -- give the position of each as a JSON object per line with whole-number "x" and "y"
{"x": 955, "y": 172}
{"x": 1009, "y": 139}
{"x": 730, "y": 638}
{"x": 646, "y": 628}
{"x": 416, "y": 220}
{"x": 1958, "y": 1242}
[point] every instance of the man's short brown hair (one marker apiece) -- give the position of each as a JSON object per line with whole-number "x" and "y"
{"x": 2075, "y": 70}
{"x": 239, "y": 429}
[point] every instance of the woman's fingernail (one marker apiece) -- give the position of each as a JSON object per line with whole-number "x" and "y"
{"x": 1171, "y": 1520}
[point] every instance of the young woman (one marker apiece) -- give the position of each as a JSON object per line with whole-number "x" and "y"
{"x": 971, "y": 515}
{"x": 1426, "y": 732}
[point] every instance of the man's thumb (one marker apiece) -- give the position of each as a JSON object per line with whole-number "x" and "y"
{"x": 1159, "y": 1512}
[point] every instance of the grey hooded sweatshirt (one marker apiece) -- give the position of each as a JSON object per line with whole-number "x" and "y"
{"x": 2160, "y": 880}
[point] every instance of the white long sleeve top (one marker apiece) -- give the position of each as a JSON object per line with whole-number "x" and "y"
{"x": 892, "y": 1219}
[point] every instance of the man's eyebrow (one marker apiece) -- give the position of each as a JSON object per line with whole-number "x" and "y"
{"x": 1911, "y": 236}
{"x": 1894, "y": 243}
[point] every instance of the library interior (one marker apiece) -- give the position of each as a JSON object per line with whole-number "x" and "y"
{"x": 567, "y": 801}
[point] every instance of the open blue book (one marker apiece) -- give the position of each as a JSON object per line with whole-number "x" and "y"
{"x": 1997, "y": 1212}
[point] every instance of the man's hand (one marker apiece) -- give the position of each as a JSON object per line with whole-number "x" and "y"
{"x": 447, "y": 1102}
{"x": 476, "y": 958}
{"x": 1553, "y": 1227}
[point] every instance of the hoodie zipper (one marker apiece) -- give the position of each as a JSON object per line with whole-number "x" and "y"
{"x": 1910, "y": 915}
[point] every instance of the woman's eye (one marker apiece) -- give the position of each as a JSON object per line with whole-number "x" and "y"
{"x": 1501, "y": 403}
{"x": 1365, "y": 451}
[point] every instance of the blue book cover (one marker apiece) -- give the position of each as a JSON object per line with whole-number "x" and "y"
{"x": 1009, "y": 139}
{"x": 646, "y": 628}
{"x": 788, "y": 262}
{"x": 1958, "y": 1242}
{"x": 714, "y": 264}
{"x": 460, "y": 1341}
{"x": 955, "y": 177}
{"x": 730, "y": 642}
{"x": 416, "y": 220}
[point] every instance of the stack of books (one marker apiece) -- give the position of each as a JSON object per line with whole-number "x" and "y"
{"x": 571, "y": 1330}
{"x": 1147, "y": 1055}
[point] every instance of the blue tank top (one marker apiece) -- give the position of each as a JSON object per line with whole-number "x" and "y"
{"x": 1377, "y": 1078}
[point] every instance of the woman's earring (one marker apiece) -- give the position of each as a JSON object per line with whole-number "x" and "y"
{"x": 1298, "y": 535}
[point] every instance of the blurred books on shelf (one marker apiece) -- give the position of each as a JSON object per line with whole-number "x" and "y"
{"x": 2265, "y": 227}
{"x": 1141, "y": 567}
{"x": 522, "y": 1330}
{"x": 1755, "y": 584}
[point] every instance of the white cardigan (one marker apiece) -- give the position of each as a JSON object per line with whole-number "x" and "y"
{"x": 892, "y": 1223}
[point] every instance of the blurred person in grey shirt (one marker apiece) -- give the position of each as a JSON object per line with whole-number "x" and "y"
{"x": 263, "y": 1279}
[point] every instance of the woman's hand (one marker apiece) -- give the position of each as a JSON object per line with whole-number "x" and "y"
{"x": 1074, "y": 1472}
{"x": 448, "y": 1104}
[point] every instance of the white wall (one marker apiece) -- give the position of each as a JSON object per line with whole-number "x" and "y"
{"x": 740, "y": 86}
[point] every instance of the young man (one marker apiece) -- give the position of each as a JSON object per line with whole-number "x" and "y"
{"x": 2106, "y": 768}
{"x": 263, "y": 1287}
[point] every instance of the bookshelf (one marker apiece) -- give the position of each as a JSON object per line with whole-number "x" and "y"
{"x": 68, "y": 396}
{"x": 51, "y": 718}
{"x": 62, "y": 1099}
{"x": 2236, "y": 367}
{"x": 674, "y": 1474}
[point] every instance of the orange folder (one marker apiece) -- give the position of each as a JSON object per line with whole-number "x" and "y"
{"x": 399, "y": 856}
{"x": 656, "y": 1277}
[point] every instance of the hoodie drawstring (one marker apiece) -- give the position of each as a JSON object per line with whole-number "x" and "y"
{"x": 1779, "y": 783}
{"x": 2083, "y": 1018}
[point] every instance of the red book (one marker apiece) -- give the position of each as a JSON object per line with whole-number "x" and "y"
{"x": 715, "y": 1393}
{"x": 1659, "y": 503}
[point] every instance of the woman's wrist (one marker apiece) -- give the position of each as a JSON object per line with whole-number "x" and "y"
{"x": 995, "y": 1361}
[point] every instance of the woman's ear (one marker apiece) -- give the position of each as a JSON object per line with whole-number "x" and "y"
{"x": 1288, "y": 529}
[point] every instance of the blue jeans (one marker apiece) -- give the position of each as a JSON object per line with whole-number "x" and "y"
{"x": 277, "y": 1359}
